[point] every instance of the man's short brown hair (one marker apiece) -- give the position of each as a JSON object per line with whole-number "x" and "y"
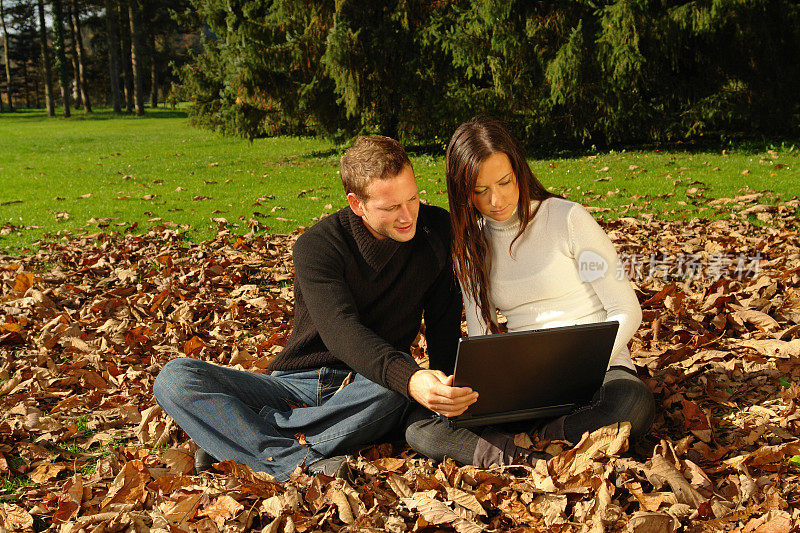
{"x": 371, "y": 157}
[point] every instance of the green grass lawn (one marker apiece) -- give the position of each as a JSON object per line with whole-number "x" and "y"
{"x": 106, "y": 172}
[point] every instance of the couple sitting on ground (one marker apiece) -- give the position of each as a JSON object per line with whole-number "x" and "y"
{"x": 364, "y": 279}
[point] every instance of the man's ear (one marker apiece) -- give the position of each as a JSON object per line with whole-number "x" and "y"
{"x": 355, "y": 204}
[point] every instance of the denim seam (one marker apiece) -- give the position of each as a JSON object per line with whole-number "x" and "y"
{"x": 339, "y": 435}
{"x": 289, "y": 472}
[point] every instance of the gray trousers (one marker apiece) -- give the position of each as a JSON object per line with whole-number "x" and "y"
{"x": 622, "y": 397}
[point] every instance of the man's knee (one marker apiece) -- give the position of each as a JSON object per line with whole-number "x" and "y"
{"x": 173, "y": 377}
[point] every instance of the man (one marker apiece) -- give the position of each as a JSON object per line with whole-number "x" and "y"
{"x": 364, "y": 278}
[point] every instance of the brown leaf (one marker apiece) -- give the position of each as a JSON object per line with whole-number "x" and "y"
{"x": 551, "y": 507}
{"x": 761, "y": 320}
{"x": 181, "y": 508}
{"x": 128, "y": 486}
{"x": 24, "y": 281}
{"x": 437, "y": 513}
{"x": 523, "y": 440}
{"x": 466, "y": 500}
{"x": 389, "y": 464}
{"x": 647, "y": 522}
{"x": 662, "y": 472}
{"x": 775, "y": 521}
{"x": 46, "y": 472}
{"x": 69, "y": 502}
{"x": 605, "y": 441}
{"x": 696, "y": 421}
{"x": 179, "y": 461}
{"x": 399, "y": 485}
{"x": 193, "y": 346}
{"x": 338, "y": 498}
{"x": 15, "y": 518}
{"x": 222, "y": 510}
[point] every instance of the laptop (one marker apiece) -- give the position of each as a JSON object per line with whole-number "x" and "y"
{"x": 532, "y": 374}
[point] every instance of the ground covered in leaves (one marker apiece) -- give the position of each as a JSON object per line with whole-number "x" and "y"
{"x": 86, "y": 324}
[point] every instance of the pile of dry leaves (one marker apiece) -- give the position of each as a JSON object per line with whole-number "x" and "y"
{"x": 86, "y": 324}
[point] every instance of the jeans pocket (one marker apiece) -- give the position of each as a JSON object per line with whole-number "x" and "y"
{"x": 330, "y": 379}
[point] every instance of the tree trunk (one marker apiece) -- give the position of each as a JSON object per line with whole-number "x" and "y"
{"x": 61, "y": 58}
{"x": 136, "y": 56}
{"x": 9, "y": 91}
{"x": 48, "y": 83}
{"x": 81, "y": 72}
{"x": 73, "y": 55}
{"x": 125, "y": 41}
{"x": 153, "y": 74}
{"x": 112, "y": 30}
{"x": 28, "y": 80}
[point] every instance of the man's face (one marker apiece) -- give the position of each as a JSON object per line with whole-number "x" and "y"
{"x": 391, "y": 208}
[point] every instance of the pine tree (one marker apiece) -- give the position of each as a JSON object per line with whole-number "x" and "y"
{"x": 136, "y": 56}
{"x": 560, "y": 72}
{"x": 60, "y": 55}
{"x": 80, "y": 56}
{"x": 113, "y": 39}
{"x": 24, "y": 52}
{"x": 48, "y": 77}
{"x": 9, "y": 90}
{"x": 125, "y": 55}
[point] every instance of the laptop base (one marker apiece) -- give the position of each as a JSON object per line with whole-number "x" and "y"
{"x": 553, "y": 411}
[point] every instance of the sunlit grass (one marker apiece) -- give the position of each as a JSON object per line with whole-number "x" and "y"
{"x": 122, "y": 173}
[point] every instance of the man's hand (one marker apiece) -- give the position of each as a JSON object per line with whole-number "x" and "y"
{"x": 434, "y": 390}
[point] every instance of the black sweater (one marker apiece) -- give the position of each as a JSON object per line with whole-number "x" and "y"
{"x": 359, "y": 300}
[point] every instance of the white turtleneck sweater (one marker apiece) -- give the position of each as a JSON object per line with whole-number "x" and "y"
{"x": 554, "y": 276}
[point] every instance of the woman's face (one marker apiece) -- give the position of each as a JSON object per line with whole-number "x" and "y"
{"x": 496, "y": 193}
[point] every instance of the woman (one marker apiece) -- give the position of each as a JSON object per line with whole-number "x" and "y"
{"x": 516, "y": 248}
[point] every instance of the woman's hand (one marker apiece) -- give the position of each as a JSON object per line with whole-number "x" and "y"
{"x": 434, "y": 390}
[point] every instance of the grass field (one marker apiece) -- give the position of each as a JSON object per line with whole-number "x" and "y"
{"x": 111, "y": 173}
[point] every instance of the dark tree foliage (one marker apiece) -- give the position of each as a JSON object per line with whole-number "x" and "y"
{"x": 562, "y": 72}
{"x": 6, "y": 61}
{"x": 62, "y": 69}
{"x": 93, "y": 43}
{"x": 24, "y": 54}
{"x": 260, "y": 72}
{"x": 80, "y": 55}
{"x": 47, "y": 71}
{"x": 136, "y": 56}
{"x": 114, "y": 70}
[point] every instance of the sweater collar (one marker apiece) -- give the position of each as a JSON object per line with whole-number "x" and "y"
{"x": 511, "y": 222}
{"x": 502, "y": 225}
{"x": 376, "y": 252}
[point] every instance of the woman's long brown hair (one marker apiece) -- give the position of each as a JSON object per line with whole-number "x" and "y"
{"x": 470, "y": 145}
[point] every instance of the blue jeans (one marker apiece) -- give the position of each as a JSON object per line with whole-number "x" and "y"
{"x": 275, "y": 422}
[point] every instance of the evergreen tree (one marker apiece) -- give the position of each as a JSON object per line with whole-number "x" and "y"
{"x": 260, "y": 72}
{"x": 80, "y": 56}
{"x": 125, "y": 44}
{"x": 113, "y": 40}
{"x": 60, "y": 55}
{"x": 23, "y": 51}
{"x": 6, "y": 61}
{"x": 136, "y": 56}
{"x": 386, "y": 79}
{"x": 48, "y": 77}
